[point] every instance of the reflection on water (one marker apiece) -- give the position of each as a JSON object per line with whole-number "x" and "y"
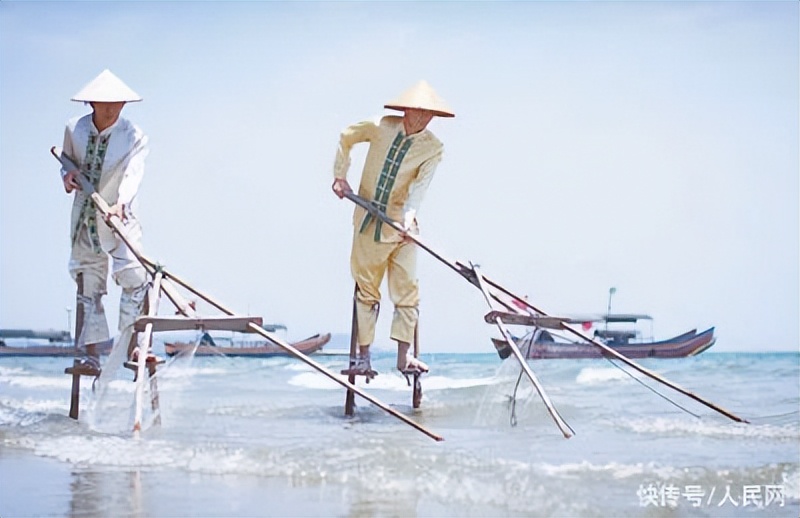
{"x": 96, "y": 493}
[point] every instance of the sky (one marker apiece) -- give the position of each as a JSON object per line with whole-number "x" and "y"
{"x": 647, "y": 146}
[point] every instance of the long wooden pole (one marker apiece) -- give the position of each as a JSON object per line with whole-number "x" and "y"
{"x": 115, "y": 223}
{"x": 469, "y": 275}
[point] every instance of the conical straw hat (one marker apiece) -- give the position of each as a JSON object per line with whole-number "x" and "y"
{"x": 106, "y": 88}
{"x": 421, "y": 96}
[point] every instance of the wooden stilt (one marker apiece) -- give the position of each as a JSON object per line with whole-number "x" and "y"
{"x": 75, "y": 398}
{"x": 349, "y": 402}
{"x": 350, "y": 398}
{"x": 154, "y": 401}
{"x": 416, "y": 398}
{"x": 152, "y": 308}
{"x": 80, "y": 311}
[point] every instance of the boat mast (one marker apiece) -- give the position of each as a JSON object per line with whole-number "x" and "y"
{"x": 69, "y": 323}
{"x": 611, "y": 291}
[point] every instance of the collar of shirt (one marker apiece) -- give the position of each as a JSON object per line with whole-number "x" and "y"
{"x": 105, "y": 131}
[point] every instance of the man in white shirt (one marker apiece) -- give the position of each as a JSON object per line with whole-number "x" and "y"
{"x": 402, "y": 158}
{"x": 110, "y": 151}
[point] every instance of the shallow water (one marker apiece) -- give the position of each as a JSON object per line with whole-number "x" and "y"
{"x": 267, "y": 437}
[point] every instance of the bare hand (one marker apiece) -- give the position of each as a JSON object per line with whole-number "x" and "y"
{"x": 409, "y": 235}
{"x": 71, "y": 181}
{"x": 341, "y": 187}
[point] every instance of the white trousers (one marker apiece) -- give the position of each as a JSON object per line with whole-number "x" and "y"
{"x": 127, "y": 272}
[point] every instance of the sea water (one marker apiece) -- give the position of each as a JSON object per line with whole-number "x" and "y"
{"x": 268, "y": 437}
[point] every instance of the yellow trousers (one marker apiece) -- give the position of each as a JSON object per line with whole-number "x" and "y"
{"x": 369, "y": 262}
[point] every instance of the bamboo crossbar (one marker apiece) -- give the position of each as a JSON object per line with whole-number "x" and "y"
{"x": 234, "y": 323}
{"x": 517, "y": 319}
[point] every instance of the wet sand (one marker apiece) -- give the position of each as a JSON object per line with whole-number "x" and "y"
{"x": 33, "y": 486}
{"x": 36, "y": 486}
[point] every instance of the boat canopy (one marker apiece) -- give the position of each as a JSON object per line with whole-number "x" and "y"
{"x": 610, "y": 318}
{"x": 622, "y": 317}
{"x": 51, "y": 335}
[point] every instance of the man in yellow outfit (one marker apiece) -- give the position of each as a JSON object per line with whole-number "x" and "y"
{"x": 398, "y": 168}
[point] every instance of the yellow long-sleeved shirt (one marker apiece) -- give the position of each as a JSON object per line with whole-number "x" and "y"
{"x": 412, "y": 162}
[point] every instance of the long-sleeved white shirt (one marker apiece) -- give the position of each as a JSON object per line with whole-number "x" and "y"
{"x": 122, "y": 167}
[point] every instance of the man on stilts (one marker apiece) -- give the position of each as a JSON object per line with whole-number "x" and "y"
{"x": 110, "y": 151}
{"x": 401, "y": 161}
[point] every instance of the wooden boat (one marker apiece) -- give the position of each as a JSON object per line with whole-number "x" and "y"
{"x": 549, "y": 344}
{"x": 25, "y": 342}
{"x": 250, "y": 349}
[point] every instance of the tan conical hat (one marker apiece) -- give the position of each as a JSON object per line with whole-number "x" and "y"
{"x": 106, "y": 88}
{"x": 422, "y": 96}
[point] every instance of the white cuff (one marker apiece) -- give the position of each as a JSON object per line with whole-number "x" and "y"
{"x": 408, "y": 219}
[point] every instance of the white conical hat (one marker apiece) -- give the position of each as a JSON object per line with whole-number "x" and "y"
{"x": 106, "y": 88}
{"x": 421, "y": 96}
